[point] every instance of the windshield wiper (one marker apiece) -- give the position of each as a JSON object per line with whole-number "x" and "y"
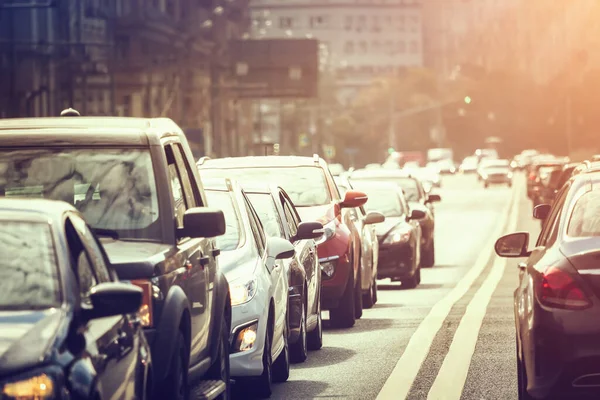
{"x": 111, "y": 233}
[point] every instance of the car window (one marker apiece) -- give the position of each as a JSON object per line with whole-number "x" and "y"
{"x": 553, "y": 219}
{"x": 383, "y": 201}
{"x": 29, "y": 276}
{"x": 92, "y": 249}
{"x": 306, "y": 186}
{"x": 267, "y": 213}
{"x": 585, "y": 217}
{"x": 290, "y": 217}
{"x": 80, "y": 261}
{"x": 408, "y": 185}
{"x": 232, "y": 239}
{"x": 183, "y": 168}
{"x": 177, "y": 193}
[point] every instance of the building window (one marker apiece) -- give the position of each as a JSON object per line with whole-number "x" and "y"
{"x": 363, "y": 48}
{"x": 362, "y": 23}
{"x": 389, "y": 22}
{"x": 349, "y": 47}
{"x": 389, "y": 47}
{"x": 414, "y": 47}
{"x": 400, "y": 21}
{"x": 285, "y": 22}
{"x": 348, "y": 22}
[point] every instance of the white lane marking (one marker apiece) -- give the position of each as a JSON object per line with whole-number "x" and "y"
{"x": 451, "y": 378}
{"x": 398, "y": 384}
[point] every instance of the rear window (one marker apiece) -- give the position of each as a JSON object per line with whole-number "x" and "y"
{"x": 224, "y": 201}
{"x": 409, "y": 186}
{"x": 28, "y": 270}
{"x": 585, "y": 218}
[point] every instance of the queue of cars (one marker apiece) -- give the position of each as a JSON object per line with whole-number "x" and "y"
{"x": 556, "y": 303}
{"x": 149, "y": 273}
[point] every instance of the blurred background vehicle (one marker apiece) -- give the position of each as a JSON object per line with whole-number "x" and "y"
{"x": 496, "y": 172}
{"x": 469, "y": 165}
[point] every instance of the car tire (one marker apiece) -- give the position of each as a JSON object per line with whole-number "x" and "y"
{"x": 176, "y": 386}
{"x": 281, "y": 366}
{"x": 314, "y": 338}
{"x": 358, "y": 298}
{"x": 486, "y": 185}
{"x": 262, "y": 385}
{"x": 413, "y": 281}
{"x": 220, "y": 369}
{"x": 343, "y": 315}
{"x": 428, "y": 257}
{"x": 374, "y": 291}
{"x": 367, "y": 298}
{"x": 522, "y": 380}
{"x": 299, "y": 350}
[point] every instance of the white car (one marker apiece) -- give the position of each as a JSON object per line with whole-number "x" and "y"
{"x": 469, "y": 165}
{"x": 446, "y": 166}
{"x": 253, "y": 266}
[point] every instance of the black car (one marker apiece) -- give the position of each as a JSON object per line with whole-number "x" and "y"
{"x": 417, "y": 198}
{"x": 557, "y": 302}
{"x": 399, "y": 235}
{"x": 134, "y": 181}
{"x": 69, "y": 328}
{"x": 280, "y": 219}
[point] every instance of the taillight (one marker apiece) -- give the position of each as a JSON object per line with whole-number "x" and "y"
{"x": 145, "y": 313}
{"x": 559, "y": 290}
{"x": 531, "y": 176}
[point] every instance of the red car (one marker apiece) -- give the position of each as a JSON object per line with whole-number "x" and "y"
{"x": 315, "y": 195}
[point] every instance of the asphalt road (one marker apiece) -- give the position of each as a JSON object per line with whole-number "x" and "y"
{"x": 450, "y": 338}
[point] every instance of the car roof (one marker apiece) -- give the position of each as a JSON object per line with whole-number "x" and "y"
{"x": 261, "y": 162}
{"x": 33, "y": 208}
{"x": 55, "y": 131}
{"x": 375, "y": 173}
{"x": 377, "y": 185}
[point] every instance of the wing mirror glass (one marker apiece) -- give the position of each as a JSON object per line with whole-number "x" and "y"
{"x": 374, "y": 217}
{"x": 513, "y": 245}
{"x": 541, "y": 211}
{"x": 417, "y": 214}
{"x": 309, "y": 230}
{"x": 434, "y": 198}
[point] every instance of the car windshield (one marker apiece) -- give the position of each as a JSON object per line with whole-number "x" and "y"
{"x": 267, "y": 213}
{"x": 408, "y": 185}
{"x": 113, "y": 188}
{"x": 28, "y": 272}
{"x": 383, "y": 201}
{"x": 306, "y": 186}
{"x": 585, "y": 218}
{"x": 232, "y": 237}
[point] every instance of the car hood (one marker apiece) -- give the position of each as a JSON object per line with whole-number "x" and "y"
{"x": 27, "y": 338}
{"x": 135, "y": 260}
{"x": 384, "y": 228}
{"x": 238, "y": 264}
{"x": 316, "y": 213}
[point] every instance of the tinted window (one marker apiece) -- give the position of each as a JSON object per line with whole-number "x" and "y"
{"x": 113, "y": 188}
{"x": 183, "y": 169}
{"x": 232, "y": 237}
{"x": 306, "y": 186}
{"x": 290, "y": 217}
{"x": 267, "y": 213}
{"x": 585, "y": 218}
{"x": 28, "y": 271}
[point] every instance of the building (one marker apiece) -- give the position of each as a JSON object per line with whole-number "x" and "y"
{"x": 361, "y": 39}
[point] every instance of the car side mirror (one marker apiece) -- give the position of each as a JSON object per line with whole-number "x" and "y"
{"x": 202, "y": 222}
{"x": 434, "y": 198}
{"x": 513, "y": 245}
{"x": 374, "y": 217}
{"x": 353, "y": 199}
{"x": 541, "y": 211}
{"x": 279, "y": 249}
{"x": 113, "y": 298}
{"x": 416, "y": 215}
{"x": 309, "y": 230}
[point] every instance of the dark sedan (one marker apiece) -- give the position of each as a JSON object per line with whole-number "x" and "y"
{"x": 557, "y": 302}
{"x": 399, "y": 235}
{"x": 68, "y": 328}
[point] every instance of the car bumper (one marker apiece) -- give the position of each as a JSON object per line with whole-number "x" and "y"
{"x": 249, "y": 362}
{"x": 562, "y": 352}
{"x": 395, "y": 261}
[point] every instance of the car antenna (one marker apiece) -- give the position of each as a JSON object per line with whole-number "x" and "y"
{"x": 70, "y": 112}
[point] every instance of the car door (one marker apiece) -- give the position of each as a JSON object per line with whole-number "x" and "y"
{"x": 109, "y": 341}
{"x": 192, "y": 259}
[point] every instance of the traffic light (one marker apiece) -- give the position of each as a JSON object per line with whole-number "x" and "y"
{"x": 391, "y": 150}
{"x": 467, "y": 100}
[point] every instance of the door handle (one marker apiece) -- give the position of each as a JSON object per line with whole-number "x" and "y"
{"x": 522, "y": 265}
{"x": 204, "y": 260}
{"x": 216, "y": 252}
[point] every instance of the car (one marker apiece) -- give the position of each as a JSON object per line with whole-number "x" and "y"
{"x": 417, "y": 198}
{"x": 336, "y": 169}
{"x": 280, "y": 219}
{"x": 253, "y": 265}
{"x": 365, "y": 223}
{"x": 446, "y": 166}
{"x": 557, "y": 301}
{"x": 496, "y": 172}
{"x": 134, "y": 182}
{"x": 554, "y": 181}
{"x": 429, "y": 177}
{"x": 537, "y": 171}
{"x": 69, "y": 328}
{"x": 399, "y": 236}
{"x": 469, "y": 165}
{"x": 310, "y": 186}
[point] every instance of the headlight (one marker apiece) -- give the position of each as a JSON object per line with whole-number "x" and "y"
{"x": 329, "y": 229}
{"x": 397, "y": 237}
{"x": 241, "y": 293}
{"x": 36, "y": 388}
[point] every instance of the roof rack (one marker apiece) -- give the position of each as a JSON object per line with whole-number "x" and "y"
{"x": 201, "y": 160}
{"x": 70, "y": 112}
{"x": 316, "y": 158}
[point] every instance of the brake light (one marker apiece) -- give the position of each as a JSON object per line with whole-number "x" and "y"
{"x": 146, "y": 312}
{"x": 559, "y": 290}
{"x": 531, "y": 176}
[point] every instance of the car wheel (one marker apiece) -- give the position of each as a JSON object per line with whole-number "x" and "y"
{"x": 486, "y": 185}
{"x": 414, "y": 280}
{"x": 522, "y": 380}
{"x": 298, "y": 350}
{"x": 220, "y": 369}
{"x": 343, "y": 315}
{"x": 358, "y": 298}
{"x": 281, "y": 366}
{"x": 367, "y": 298}
{"x": 374, "y": 291}
{"x": 176, "y": 385}
{"x": 314, "y": 338}
{"x": 262, "y": 385}
{"x": 428, "y": 257}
